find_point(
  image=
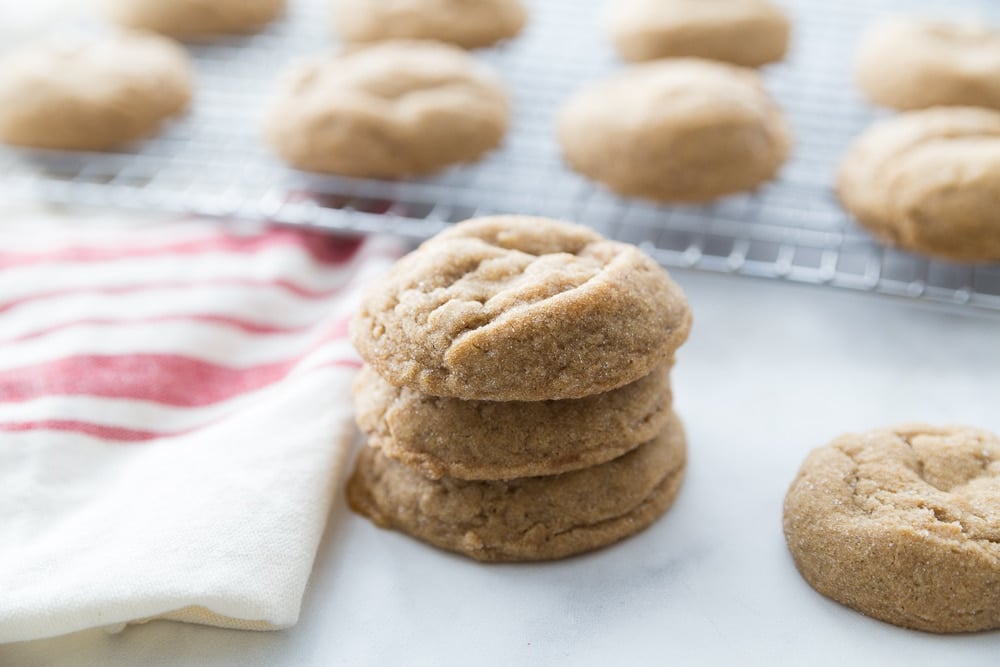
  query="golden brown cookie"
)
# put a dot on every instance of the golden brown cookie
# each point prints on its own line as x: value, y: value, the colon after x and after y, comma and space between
x: 513, y: 308
x: 502, y: 440
x: 929, y: 181
x: 467, y: 24
x: 533, y: 518
x: 916, y: 63
x: 91, y: 92
x: 194, y: 17
x: 388, y: 110
x: 675, y: 130
x: 903, y: 525
x: 750, y: 33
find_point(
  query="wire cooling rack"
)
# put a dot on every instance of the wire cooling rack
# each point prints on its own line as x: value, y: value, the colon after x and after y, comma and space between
x: 214, y: 163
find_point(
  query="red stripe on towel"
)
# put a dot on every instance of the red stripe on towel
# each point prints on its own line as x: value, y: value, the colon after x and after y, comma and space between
x: 322, y: 248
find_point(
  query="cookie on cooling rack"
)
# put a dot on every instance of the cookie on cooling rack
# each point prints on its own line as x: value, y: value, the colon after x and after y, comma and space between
x: 388, y: 110
x: 91, y: 92
x: 929, y: 181
x: 467, y: 24
x: 513, y: 308
x: 675, y: 130
x: 743, y: 32
x: 915, y: 63
x: 903, y: 524
x: 503, y: 440
x: 194, y: 17
x: 532, y: 518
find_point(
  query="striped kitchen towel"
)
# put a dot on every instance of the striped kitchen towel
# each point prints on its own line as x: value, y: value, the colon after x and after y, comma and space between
x: 174, y: 416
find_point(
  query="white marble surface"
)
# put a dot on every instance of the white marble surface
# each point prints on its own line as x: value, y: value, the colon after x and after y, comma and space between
x: 771, y: 371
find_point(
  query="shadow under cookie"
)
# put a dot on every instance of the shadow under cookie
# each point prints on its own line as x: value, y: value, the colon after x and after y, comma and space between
x: 534, y: 518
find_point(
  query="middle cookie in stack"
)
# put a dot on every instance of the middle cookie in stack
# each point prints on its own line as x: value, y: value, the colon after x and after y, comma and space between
x: 517, y: 402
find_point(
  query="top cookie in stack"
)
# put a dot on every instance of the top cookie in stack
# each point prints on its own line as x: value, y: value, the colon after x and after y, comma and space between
x: 513, y: 308
x: 517, y: 403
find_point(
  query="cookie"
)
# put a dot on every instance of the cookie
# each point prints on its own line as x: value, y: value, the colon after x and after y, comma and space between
x: 502, y: 440
x: 929, y: 181
x: 91, y: 92
x: 194, y: 17
x: 903, y: 524
x: 533, y: 518
x: 514, y: 308
x: 914, y: 63
x: 392, y: 109
x: 675, y: 130
x: 467, y: 24
x: 750, y: 33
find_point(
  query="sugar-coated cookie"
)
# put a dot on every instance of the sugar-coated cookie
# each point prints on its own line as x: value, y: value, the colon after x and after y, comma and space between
x: 929, y: 181
x: 915, y: 63
x: 514, y: 308
x: 743, y: 32
x: 194, y: 17
x: 503, y: 440
x: 903, y: 524
x: 675, y: 130
x: 533, y: 518
x: 467, y: 24
x: 391, y: 109
x: 91, y: 92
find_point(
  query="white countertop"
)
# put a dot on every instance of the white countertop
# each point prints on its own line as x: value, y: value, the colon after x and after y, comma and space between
x: 771, y: 371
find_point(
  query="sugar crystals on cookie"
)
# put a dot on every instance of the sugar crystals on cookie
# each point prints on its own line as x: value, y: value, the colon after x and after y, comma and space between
x: 903, y: 524
x: 516, y: 401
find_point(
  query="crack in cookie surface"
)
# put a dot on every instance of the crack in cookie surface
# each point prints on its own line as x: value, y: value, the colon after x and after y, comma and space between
x: 903, y: 524
x: 513, y: 308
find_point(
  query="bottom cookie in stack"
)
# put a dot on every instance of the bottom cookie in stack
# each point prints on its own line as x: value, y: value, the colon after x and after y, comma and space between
x: 529, y: 518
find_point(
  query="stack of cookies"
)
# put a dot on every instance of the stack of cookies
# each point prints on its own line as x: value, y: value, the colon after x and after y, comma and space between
x: 516, y: 396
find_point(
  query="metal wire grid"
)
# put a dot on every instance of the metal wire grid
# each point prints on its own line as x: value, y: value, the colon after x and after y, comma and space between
x: 213, y: 161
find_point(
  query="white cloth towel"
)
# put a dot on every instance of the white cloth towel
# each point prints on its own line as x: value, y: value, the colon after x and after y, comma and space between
x: 174, y: 416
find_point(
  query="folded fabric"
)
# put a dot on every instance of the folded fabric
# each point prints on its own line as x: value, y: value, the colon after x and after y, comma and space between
x: 174, y: 416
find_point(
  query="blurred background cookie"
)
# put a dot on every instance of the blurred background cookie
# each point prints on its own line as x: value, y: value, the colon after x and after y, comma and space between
x: 467, y: 24
x: 903, y: 524
x: 91, y: 92
x: 914, y: 63
x: 675, y: 130
x: 194, y: 17
x: 929, y: 181
x: 744, y: 32
x: 390, y: 109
